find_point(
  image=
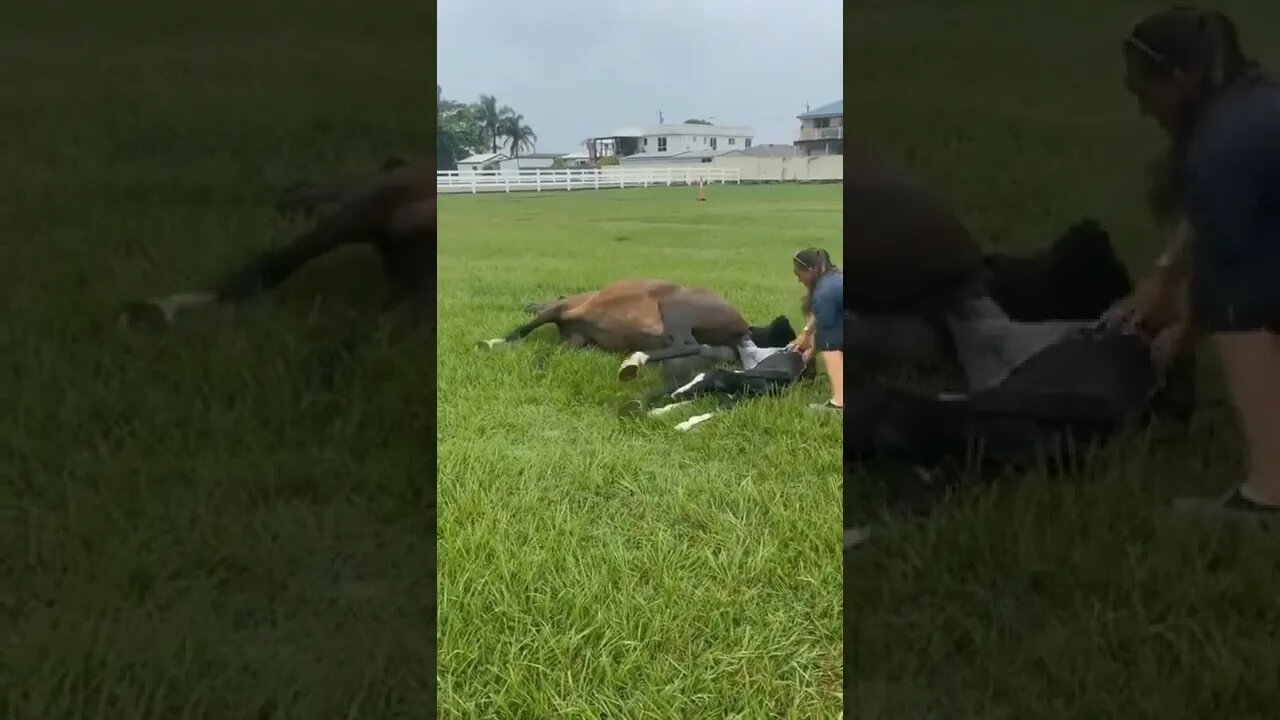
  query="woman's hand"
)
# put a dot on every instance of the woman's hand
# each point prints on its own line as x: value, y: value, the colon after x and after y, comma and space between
x: 1157, y: 301
x: 800, y: 346
x: 1121, y: 316
x: 803, y: 342
x: 1153, y: 304
x: 1169, y: 343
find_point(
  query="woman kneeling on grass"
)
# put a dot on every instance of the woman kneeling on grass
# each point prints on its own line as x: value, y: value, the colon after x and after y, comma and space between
x: 824, y: 318
x: 1222, y: 174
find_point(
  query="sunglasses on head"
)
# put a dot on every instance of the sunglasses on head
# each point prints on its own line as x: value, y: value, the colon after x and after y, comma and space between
x: 1146, y: 50
x: 1133, y: 41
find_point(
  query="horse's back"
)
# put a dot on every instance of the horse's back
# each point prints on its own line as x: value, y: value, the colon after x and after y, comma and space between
x: 415, y: 178
x: 642, y: 303
x: 906, y: 245
x: 646, y: 294
x: 712, y: 319
x: 709, y: 301
x: 633, y: 289
x: 415, y: 217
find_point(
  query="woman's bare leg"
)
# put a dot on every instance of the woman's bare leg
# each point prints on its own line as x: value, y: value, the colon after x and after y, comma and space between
x: 833, y: 362
x: 1252, y: 364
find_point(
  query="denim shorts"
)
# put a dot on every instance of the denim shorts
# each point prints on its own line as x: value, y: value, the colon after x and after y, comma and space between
x: 1240, y: 300
x: 828, y: 313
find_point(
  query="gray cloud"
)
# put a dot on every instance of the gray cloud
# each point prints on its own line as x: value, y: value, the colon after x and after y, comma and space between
x: 582, y: 68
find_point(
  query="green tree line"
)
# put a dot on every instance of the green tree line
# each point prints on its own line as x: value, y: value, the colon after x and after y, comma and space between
x: 464, y: 129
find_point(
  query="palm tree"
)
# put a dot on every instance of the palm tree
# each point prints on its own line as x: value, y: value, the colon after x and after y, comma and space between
x: 492, y: 117
x: 521, y: 136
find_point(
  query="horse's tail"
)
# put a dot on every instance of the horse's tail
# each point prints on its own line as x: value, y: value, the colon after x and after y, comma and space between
x: 548, y: 313
x: 537, y: 308
x: 305, y: 199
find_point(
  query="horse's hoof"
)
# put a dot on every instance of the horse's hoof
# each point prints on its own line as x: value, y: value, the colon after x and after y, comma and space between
x: 631, y: 366
x: 145, y: 314
x: 489, y: 344
x: 855, y: 536
x: 694, y: 422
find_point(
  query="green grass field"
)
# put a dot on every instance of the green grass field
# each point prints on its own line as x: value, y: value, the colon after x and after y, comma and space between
x: 195, y: 525
x: 1068, y: 599
x: 598, y: 567
x: 231, y: 522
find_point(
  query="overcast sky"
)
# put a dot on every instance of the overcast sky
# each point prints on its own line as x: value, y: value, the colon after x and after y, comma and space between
x: 585, y: 68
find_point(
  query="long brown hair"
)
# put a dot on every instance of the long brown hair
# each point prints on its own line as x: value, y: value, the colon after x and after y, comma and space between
x: 1203, y: 44
x: 817, y: 261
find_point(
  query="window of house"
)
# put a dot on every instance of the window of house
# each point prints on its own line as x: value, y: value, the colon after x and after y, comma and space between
x: 732, y: 140
x: 747, y: 143
x: 645, y: 142
x: 713, y: 143
x: 662, y: 144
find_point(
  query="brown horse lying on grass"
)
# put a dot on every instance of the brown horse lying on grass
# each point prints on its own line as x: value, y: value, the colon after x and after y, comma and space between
x: 393, y: 210
x: 654, y: 320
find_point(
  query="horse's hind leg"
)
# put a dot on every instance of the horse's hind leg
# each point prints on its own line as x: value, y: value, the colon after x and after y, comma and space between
x: 679, y: 338
x: 355, y: 221
x: 553, y: 312
x: 677, y: 325
x: 537, y: 308
x: 703, y: 383
x: 654, y: 403
x: 547, y: 314
x: 631, y: 366
x: 408, y: 254
x: 307, y: 199
x: 678, y: 390
x: 304, y: 199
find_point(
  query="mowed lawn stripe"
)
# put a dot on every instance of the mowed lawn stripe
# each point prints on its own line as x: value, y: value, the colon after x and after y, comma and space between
x: 1070, y: 597
x: 594, y: 565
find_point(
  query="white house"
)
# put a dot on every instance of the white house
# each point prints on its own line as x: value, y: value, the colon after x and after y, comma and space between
x: 577, y: 160
x: 535, y: 161
x: 480, y: 163
x: 680, y: 158
x: 764, y: 151
x: 821, y: 130
x: 663, y: 142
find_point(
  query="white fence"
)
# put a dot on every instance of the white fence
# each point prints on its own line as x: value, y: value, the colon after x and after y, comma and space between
x: 800, y: 168
x: 452, y: 181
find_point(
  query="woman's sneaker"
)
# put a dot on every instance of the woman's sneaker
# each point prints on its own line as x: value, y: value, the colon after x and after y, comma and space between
x: 827, y: 406
x: 1234, y: 505
x: 854, y: 536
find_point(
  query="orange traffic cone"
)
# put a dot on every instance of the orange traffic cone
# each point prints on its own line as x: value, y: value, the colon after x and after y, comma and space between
x: 702, y: 194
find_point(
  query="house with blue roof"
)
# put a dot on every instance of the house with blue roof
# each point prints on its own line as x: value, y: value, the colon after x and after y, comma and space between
x: 822, y: 130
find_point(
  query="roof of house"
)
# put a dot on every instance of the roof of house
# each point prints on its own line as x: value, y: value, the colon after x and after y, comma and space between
x: 684, y: 129
x: 649, y: 156
x: 531, y: 158
x: 831, y: 109
x: 686, y: 155
x: 539, y: 156
x: 767, y: 150
x: 482, y: 158
x: 704, y: 153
